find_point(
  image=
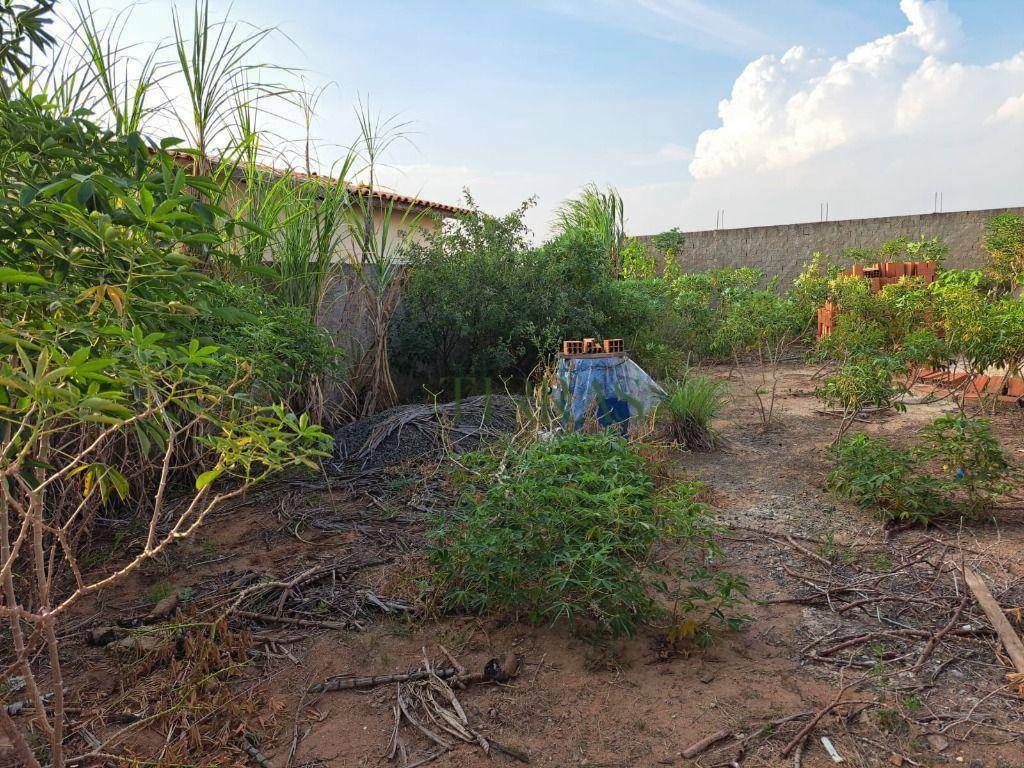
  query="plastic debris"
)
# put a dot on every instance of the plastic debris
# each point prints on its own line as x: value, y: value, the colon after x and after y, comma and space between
x: 612, y: 389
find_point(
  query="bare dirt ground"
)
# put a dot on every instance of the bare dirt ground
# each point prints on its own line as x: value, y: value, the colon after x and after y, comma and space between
x: 633, y: 703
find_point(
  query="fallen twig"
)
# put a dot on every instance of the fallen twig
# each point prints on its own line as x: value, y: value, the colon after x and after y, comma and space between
x: 257, y: 756
x: 495, y: 671
x: 937, y: 637
x: 266, y: 617
x: 700, y: 746
x: 515, y: 754
x: 805, y: 731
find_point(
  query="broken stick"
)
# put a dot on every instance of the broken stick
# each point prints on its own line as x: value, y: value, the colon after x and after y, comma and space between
x: 700, y: 746
x: 498, y: 670
x: 1011, y: 642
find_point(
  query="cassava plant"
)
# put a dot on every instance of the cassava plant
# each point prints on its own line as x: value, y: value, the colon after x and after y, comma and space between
x: 884, y: 479
x: 566, y: 529
x: 108, y: 404
x: 957, y: 465
x: 971, y: 462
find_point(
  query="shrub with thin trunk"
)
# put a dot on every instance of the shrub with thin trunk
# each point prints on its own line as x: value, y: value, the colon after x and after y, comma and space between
x: 109, y: 406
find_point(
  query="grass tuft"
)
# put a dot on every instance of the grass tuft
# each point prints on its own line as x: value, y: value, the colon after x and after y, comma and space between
x: 691, y: 407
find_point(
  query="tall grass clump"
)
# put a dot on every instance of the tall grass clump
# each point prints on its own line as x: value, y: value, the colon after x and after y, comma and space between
x: 692, y: 405
x: 567, y: 529
x: 599, y: 214
x: 376, y: 256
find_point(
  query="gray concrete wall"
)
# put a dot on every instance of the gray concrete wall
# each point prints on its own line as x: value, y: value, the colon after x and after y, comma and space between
x: 783, y: 249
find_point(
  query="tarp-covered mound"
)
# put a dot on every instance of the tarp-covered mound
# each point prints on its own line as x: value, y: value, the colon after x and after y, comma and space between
x: 408, y: 432
x: 612, y: 389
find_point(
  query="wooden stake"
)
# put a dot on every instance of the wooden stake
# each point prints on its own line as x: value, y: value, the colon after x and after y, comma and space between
x: 1011, y: 642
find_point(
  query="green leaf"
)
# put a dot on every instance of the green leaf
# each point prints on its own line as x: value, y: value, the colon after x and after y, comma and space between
x: 11, y: 276
x: 85, y: 192
x: 146, y: 199
x: 27, y: 195
x: 208, y: 477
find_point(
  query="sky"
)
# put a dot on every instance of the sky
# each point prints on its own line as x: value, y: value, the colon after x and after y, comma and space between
x: 739, y: 112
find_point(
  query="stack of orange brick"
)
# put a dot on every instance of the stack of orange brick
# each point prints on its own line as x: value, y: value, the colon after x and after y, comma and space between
x: 1003, y: 388
x: 593, y: 347
x: 881, y: 274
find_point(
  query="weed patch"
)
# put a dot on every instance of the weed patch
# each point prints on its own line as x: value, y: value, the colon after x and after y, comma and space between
x: 567, y: 529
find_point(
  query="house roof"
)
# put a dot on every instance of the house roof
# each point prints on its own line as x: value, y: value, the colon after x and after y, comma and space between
x: 358, y: 189
x: 362, y: 189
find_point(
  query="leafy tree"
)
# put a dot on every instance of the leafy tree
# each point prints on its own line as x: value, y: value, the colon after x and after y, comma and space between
x: 984, y: 332
x: 763, y: 323
x: 108, y: 402
x: 669, y: 242
x: 1004, y: 243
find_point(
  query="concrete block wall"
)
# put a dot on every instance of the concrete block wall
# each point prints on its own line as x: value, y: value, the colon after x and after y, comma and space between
x: 783, y: 249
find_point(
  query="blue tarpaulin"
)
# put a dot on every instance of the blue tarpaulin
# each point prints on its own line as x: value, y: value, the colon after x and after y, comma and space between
x: 609, y: 388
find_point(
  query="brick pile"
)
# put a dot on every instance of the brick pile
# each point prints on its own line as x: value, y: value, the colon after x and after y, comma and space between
x: 881, y: 274
x: 1002, y: 388
x: 585, y: 347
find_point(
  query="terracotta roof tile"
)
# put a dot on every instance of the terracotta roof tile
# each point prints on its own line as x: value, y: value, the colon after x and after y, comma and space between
x: 359, y: 189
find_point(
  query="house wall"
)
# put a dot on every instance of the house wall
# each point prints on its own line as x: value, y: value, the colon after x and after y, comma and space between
x: 783, y: 249
x: 418, y: 227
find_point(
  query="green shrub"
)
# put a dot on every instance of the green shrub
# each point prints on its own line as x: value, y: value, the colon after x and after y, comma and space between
x: 883, y: 479
x: 972, y: 462
x: 973, y: 278
x: 957, y: 464
x: 811, y: 287
x: 641, y: 312
x: 481, y: 301
x: 862, y: 382
x: 1004, y: 243
x: 922, y: 249
x: 986, y: 332
x: 566, y: 529
x: 638, y: 263
x: 692, y: 405
x: 702, y: 301
x: 286, y: 353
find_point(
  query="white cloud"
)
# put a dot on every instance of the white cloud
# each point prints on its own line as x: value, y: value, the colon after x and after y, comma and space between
x: 1011, y: 110
x: 879, y: 128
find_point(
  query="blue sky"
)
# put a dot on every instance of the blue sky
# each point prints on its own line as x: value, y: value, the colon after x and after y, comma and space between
x: 542, y: 96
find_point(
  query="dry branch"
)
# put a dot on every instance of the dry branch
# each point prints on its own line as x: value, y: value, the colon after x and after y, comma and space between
x: 1011, y: 642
